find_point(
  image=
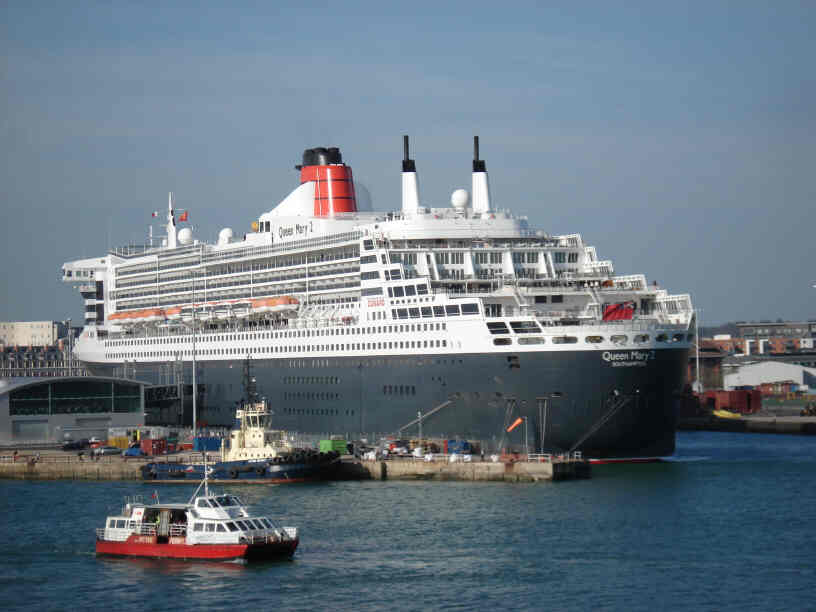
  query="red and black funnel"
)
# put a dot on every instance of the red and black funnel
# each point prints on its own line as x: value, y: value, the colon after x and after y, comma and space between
x: 334, y: 184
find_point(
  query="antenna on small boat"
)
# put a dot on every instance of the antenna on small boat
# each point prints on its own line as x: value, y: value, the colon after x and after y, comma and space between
x: 203, y: 483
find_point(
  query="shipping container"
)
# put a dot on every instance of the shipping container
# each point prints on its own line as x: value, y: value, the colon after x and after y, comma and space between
x: 327, y: 446
x: 206, y: 444
x: 118, y: 442
x: 151, y: 446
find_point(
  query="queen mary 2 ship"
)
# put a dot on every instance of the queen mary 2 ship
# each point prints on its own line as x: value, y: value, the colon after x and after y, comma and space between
x: 459, y: 319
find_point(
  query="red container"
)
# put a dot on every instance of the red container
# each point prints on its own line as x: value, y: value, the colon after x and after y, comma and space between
x: 154, y: 447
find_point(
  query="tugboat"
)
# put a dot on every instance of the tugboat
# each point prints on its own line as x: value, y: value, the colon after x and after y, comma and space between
x: 255, y: 454
x: 208, y: 527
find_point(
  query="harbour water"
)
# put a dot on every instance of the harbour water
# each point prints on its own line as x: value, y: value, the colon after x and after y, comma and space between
x: 727, y: 525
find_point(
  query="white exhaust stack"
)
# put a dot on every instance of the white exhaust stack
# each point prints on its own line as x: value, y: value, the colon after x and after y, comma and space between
x: 171, y: 223
x: 410, y: 186
x: 481, y: 188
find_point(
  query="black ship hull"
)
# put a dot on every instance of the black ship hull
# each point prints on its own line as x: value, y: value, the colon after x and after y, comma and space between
x: 602, y: 403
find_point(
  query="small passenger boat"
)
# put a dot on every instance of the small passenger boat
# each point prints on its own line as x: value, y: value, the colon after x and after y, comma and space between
x: 208, y: 527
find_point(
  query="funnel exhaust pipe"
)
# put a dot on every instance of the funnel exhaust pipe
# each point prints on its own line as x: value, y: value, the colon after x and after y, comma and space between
x: 410, y: 184
x: 481, y: 188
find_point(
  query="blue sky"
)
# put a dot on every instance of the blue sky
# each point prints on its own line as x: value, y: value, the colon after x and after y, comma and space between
x: 676, y: 137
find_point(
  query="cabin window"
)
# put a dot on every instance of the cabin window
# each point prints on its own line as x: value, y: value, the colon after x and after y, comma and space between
x: 414, y: 312
x: 662, y: 338
x: 452, y: 310
x: 210, y: 527
x: 470, y: 309
x: 426, y: 312
x: 112, y: 523
x: 497, y: 327
x: 198, y: 527
x: 557, y: 299
x: 267, y: 522
x: 410, y: 290
x: 221, y: 527
x: 422, y: 289
x: 619, y: 339
x: 502, y: 341
x: 232, y: 526
x: 439, y: 311
x: 525, y: 327
x: 121, y: 523
x: 678, y: 337
x: 243, y: 525
x: 258, y: 524
x: 564, y: 340
x: 399, y: 292
x: 531, y: 340
x: 642, y: 338
x: 594, y: 339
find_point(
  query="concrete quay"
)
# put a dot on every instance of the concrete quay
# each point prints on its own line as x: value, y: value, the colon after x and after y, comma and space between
x: 519, y: 471
x: 56, y: 465
x: 752, y: 424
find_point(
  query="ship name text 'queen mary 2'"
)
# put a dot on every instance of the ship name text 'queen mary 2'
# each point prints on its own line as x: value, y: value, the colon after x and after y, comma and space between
x: 356, y: 321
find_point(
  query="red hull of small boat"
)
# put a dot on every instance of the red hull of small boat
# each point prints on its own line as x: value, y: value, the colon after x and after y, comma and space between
x: 148, y: 546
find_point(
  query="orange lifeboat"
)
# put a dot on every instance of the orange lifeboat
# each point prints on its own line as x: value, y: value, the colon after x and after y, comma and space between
x: 276, y: 304
x: 173, y: 313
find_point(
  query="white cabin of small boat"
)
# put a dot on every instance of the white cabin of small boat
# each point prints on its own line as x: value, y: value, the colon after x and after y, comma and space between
x: 210, y: 519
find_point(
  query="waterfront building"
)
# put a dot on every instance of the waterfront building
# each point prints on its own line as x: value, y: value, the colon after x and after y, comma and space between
x: 51, y: 410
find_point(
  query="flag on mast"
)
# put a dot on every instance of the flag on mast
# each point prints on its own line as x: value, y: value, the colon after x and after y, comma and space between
x: 183, y: 216
x: 155, y: 213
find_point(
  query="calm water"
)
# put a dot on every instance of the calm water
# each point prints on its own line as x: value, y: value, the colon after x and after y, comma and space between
x: 730, y: 525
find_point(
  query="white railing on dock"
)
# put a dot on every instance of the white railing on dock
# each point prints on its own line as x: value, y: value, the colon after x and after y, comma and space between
x: 550, y: 457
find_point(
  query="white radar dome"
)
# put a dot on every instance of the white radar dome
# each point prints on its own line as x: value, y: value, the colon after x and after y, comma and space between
x: 185, y: 236
x: 224, y: 236
x: 459, y: 199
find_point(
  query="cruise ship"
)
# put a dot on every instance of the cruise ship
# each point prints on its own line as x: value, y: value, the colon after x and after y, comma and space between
x: 454, y: 320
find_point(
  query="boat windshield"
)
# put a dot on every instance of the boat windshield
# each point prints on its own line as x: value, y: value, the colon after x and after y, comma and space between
x: 227, y: 501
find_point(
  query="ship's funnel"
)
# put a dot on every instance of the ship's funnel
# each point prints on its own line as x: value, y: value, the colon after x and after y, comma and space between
x: 334, y: 184
x: 481, y: 187
x: 410, y: 185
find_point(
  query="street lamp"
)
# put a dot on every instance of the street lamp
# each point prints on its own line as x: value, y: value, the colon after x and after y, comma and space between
x: 69, y: 347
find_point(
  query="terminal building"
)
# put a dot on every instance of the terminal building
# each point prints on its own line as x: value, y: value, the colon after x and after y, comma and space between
x: 40, y: 410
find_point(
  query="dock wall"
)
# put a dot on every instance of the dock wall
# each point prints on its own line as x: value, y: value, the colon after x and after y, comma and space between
x: 28, y: 467
x: 488, y: 471
x: 754, y: 424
